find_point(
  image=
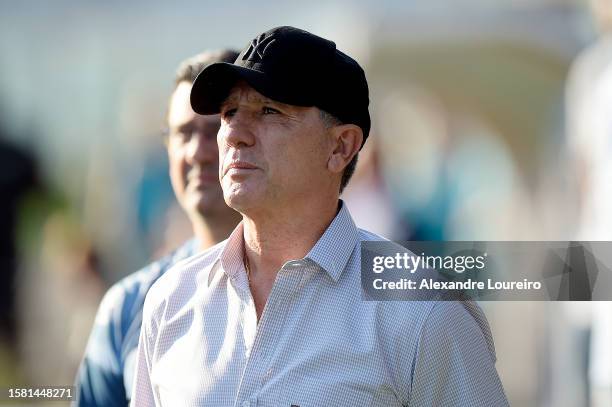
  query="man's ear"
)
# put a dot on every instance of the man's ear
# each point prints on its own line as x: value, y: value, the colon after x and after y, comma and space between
x: 346, y: 140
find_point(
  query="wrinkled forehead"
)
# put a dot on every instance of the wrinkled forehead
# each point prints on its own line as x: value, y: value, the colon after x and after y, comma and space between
x: 242, y: 92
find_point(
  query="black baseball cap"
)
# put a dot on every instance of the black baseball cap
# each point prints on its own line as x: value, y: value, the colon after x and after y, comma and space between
x: 291, y: 66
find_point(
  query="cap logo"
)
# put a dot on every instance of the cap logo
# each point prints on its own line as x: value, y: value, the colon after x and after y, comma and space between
x: 258, y: 48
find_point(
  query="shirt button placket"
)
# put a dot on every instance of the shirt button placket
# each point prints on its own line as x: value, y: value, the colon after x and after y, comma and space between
x: 257, y: 366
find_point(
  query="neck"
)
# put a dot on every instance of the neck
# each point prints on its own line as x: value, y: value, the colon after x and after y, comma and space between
x: 288, y: 234
x: 213, y: 229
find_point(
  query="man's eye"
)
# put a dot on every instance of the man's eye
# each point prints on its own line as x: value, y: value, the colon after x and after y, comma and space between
x: 182, y: 135
x: 228, y: 113
x: 269, y: 110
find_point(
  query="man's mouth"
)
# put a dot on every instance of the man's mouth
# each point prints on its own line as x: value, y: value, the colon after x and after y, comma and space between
x: 239, y: 166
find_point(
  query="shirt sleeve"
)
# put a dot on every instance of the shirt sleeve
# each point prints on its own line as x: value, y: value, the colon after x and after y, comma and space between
x: 99, y: 380
x: 454, y: 365
x: 142, y: 389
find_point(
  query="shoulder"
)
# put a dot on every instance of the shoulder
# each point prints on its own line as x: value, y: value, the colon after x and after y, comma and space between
x: 114, y: 335
x: 119, y: 314
x: 365, y: 235
x: 450, y: 321
x: 122, y: 298
x: 126, y: 297
x: 419, y: 335
x: 372, y: 240
x: 380, y: 242
x: 181, y: 281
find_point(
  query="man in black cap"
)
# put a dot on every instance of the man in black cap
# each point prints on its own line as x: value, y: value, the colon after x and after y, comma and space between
x: 274, y: 315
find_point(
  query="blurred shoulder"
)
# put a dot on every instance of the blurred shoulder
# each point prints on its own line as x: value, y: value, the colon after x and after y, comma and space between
x: 125, y: 298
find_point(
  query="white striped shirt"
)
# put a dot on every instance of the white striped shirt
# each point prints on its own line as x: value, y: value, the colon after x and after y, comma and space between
x: 317, y: 342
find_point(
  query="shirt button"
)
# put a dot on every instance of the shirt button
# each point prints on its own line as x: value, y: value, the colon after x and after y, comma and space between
x: 246, y: 404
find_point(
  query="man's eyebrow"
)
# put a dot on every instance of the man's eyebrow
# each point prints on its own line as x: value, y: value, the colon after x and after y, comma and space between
x: 180, y: 127
x: 225, y: 102
x: 264, y: 99
x: 253, y: 98
x: 184, y: 126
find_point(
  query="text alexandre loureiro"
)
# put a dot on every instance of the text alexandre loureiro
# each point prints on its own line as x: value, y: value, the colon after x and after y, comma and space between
x: 457, y: 264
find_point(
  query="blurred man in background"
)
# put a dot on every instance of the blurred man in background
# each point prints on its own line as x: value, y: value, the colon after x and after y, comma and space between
x: 106, y: 372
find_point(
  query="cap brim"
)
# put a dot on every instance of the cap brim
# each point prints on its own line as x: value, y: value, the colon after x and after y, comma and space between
x: 214, y: 83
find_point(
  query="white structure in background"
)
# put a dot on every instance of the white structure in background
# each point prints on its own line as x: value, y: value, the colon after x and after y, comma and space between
x: 589, y: 114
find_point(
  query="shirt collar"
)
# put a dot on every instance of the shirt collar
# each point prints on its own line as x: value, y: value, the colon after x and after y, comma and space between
x: 333, y: 250
x: 232, y: 255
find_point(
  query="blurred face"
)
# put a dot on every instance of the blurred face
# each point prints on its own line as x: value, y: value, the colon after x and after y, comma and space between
x: 272, y: 155
x: 193, y: 156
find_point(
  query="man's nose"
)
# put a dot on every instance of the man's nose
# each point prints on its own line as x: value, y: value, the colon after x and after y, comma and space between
x: 238, y: 131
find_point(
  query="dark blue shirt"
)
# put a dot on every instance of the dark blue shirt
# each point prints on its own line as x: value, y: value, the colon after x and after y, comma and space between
x: 107, y: 370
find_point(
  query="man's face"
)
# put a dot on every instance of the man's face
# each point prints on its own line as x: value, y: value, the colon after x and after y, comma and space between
x: 273, y: 155
x: 193, y: 156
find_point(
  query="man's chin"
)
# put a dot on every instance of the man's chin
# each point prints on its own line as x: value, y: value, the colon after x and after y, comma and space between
x: 240, y: 201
